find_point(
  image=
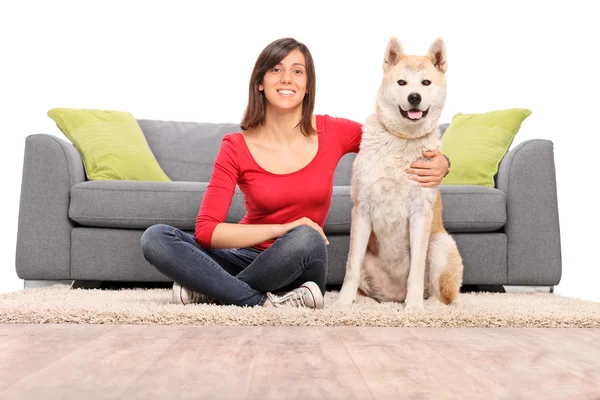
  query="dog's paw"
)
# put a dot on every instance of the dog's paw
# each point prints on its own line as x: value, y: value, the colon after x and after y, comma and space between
x: 344, y: 300
x: 431, y: 301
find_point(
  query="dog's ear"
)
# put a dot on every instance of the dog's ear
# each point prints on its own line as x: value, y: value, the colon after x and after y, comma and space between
x: 393, y: 54
x: 437, y: 55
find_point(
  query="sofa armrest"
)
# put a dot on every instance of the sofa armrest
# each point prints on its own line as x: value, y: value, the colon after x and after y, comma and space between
x: 51, y: 167
x: 527, y: 176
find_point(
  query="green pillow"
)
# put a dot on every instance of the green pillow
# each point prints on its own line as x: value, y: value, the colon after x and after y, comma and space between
x: 111, y: 143
x: 476, y: 143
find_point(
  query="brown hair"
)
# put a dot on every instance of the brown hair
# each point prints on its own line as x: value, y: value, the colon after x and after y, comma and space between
x: 268, y: 58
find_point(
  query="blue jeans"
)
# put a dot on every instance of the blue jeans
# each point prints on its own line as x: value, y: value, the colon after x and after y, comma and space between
x: 238, y: 276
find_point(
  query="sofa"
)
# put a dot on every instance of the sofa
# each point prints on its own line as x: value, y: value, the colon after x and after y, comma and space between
x: 71, y: 229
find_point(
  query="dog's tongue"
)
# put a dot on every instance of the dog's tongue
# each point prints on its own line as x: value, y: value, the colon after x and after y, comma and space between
x: 415, y: 114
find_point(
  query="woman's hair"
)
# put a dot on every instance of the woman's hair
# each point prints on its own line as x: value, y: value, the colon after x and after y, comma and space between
x: 268, y: 58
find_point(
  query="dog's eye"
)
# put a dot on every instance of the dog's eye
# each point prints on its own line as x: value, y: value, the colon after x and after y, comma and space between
x: 426, y: 82
x: 401, y: 82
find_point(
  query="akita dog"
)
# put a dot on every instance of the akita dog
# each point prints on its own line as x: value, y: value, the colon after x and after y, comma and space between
x: 399, y: 249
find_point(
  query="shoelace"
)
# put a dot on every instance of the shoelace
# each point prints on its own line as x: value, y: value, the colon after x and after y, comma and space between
x: 295, y: 297
x: 196, y: 297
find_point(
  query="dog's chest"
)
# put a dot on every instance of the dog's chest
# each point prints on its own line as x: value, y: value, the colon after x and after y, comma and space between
x: 384, y: 185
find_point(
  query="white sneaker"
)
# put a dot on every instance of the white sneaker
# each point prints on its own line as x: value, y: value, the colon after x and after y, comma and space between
x: 307, y: 295
x: 181, y: 295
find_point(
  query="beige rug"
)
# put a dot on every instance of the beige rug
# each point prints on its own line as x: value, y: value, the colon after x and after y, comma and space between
x: 59, y: 304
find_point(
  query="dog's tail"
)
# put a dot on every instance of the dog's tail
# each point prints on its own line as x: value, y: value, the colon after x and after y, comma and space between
x: 451, y: 278
x: 445, y: 268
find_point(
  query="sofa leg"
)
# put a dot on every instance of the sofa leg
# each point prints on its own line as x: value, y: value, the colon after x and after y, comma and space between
x: 32, y: 284
x: 528, y: 289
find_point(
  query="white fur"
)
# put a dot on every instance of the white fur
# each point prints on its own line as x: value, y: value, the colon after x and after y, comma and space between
x: 386, y: 202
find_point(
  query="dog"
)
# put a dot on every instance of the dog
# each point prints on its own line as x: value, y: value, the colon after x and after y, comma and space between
x: 399, y: 249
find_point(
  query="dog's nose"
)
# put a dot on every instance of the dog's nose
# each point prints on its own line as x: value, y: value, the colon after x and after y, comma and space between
x: 414, y: 99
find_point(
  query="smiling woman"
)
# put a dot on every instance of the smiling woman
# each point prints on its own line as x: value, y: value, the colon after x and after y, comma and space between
x: 284, y: 70
x: 283, y: 160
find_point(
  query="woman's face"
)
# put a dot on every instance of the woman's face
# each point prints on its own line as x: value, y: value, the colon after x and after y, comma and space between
x: 284, y: 85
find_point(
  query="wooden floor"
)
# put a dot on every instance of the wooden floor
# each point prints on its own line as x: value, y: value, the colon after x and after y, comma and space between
x: 197, y: 362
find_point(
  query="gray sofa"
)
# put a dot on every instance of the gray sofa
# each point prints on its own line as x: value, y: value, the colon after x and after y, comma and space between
x: 71, y: 229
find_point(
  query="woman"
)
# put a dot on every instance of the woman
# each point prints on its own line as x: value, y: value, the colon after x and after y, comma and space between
x: 283, y: 160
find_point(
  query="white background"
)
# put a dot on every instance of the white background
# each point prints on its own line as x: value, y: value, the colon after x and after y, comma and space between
x: 191, y: 61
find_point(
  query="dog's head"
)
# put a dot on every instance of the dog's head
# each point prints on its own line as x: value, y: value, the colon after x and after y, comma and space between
x: 412, y: 94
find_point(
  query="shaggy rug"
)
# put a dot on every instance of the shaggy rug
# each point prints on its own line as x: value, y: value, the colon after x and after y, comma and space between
x: 59, y: 304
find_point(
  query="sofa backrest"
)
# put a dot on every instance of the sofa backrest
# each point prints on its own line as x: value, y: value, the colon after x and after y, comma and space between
x: 186, y: 150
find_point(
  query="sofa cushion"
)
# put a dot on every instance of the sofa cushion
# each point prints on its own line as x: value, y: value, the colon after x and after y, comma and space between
x: 476, y: 144
x: 138, y: 205
x: 471, y: 208
x: 465, y: 208
x: 111, y: 144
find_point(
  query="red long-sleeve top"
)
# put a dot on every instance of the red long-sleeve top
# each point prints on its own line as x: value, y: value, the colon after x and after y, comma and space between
x: 275, y: 198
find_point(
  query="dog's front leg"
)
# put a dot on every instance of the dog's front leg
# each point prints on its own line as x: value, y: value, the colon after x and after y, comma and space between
x: 420, y: 228
x: 360, y: 231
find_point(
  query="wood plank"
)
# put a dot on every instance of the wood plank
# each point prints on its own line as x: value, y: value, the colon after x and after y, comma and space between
x: 305, y: 363
x: 28, y: 348
x: 519, y: 361
x: 209, y: 362
x: 574, y: 351
x: 101, y: 368
x: 395, y: 364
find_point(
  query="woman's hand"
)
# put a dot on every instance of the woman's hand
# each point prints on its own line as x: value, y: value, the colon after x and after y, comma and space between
x: 429, y: 173
x: 302, y: 221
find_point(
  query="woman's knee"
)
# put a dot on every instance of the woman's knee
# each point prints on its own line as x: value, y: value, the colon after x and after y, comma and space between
x: 309, y: 240
x: 152, y: 238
